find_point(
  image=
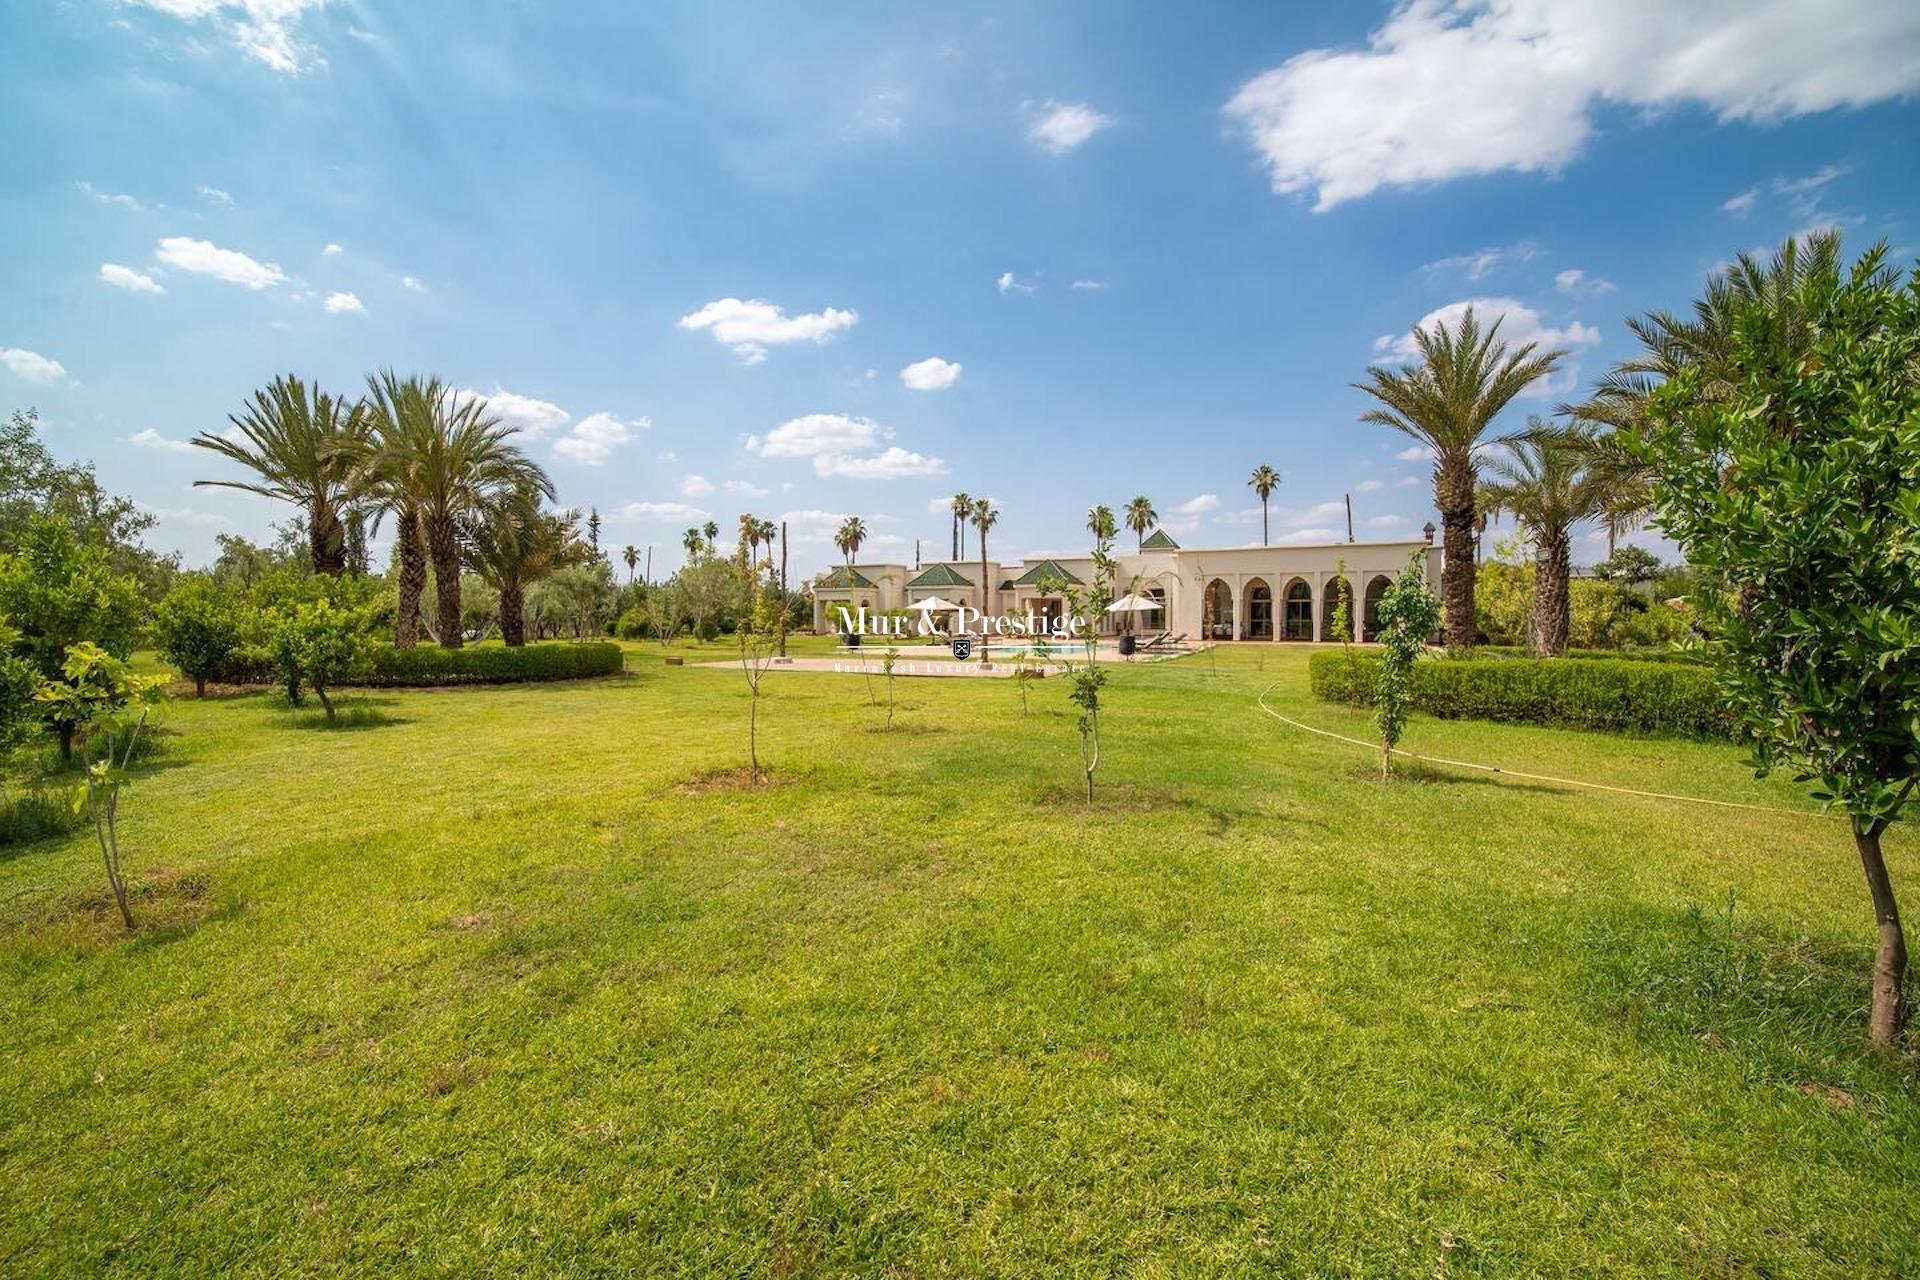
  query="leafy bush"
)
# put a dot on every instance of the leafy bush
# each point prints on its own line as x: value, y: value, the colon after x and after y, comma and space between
x: 1613, y: 694
x: 1622, y: 655
x: 323, y: 644
x: 36, y: 812
x: 490, y: 664
x: 198, y: 629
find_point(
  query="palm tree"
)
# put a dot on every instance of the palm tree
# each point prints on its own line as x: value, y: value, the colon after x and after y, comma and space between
x: 962, y: 507
x: 693, y: 542
x: 1100, y: 523
x: 1701, y: 341
x: 711, y: 532
x: 764, y: 534
x: 1263, y: 481
x: 631, y: 554
x: 1141, y: 517
x: 1464, y: 379
x: 749, y: 537
x: 444, y: 456
x: 512, y: 543
x: 1545, y: 483
x: 853, y: 532
x: 984, y: 516
x: 303, y: 445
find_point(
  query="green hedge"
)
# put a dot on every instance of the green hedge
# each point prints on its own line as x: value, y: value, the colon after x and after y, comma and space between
x: 1617, y: 694
x: 493, y: 664
x: 431, y: 665
x: 1604, y: 655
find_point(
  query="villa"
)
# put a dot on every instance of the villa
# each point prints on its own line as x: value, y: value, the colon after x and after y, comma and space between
x: 1288, y: 592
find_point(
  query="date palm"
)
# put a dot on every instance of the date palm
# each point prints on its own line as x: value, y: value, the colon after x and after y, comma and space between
x: 1544, y: 481
x: 764, y: 533
x: 1701, y: 340
x: 694, y: 544
x: 962, y: 508
x: 711, y: 532
x: 443, y: 455
x: 630, y: 554
x: 303, y: 445
x: 1464, y: 378
x: 749, y: 537
x: 1140, y: 518
x: 513, y: 543
x: 1263, y: 481
x: 1101, y: 524
x: 984, y: 516
x: 852, y: 533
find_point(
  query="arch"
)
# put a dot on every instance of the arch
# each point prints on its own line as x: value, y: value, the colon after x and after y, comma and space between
x: 1336, y: 589
x: 1297, y: 620
x: 1370, y: 613
x: 1258, y: 624
x: 1216, y: 611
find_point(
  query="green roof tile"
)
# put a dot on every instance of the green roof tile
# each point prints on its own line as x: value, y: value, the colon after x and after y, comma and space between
x: 1159, y: 542
x: 940, y: 575
x: 1047, y: 569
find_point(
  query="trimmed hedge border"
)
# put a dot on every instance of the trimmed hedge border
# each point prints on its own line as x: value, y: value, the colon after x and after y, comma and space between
x: 430, y: 665
x: 1610, y: 694
x: 1600, y: 655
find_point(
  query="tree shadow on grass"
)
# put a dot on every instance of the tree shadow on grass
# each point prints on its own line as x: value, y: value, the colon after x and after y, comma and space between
x: 1789, y: 1007
x: 1419, y: 773
x: 349, y: 715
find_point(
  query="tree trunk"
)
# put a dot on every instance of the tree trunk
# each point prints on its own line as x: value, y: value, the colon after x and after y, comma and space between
x: 984, y: 597
x: 199, y: 686
x: 66, y: 743
x: 1552, y: 609
x: 445, y: 550
x: 513, y: 613
x: 326, y: 539
x: 1453, y: 495
x: 413, y: 579
x: 1889, y: 1014
x: 320, y: 692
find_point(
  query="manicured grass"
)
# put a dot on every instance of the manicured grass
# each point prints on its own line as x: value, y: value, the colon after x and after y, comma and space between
x: 514, y: 981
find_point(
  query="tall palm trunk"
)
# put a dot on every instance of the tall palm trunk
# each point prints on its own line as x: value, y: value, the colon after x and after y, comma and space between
x: 1453, y: 494
x: 413, y: 578
x: 444, y: 546
x: 1552, y: 607
x: 513, y: 613
x: 984, y: 633
x: 326, y: 539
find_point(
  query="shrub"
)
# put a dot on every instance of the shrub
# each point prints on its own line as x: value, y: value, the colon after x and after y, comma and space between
x: 490, y: 664
x: 1650, y: 654
x: 198, y: 629
x: 323, y: 644
x: 1614, y: 694
x: 34, y: 813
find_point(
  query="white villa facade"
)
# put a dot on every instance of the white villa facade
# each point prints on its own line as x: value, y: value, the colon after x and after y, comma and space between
x: 1218, y: 593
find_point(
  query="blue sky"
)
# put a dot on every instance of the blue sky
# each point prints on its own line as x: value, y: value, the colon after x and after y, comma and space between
x: 725, y: 258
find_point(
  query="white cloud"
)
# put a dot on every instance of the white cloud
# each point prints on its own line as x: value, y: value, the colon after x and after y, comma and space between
x: 1407, y: 482
x: 1483, y: 262
x: 752, y: 325
x: 1519, y: 324
x: 214, y: 195
x: 108, y: 197
x: 151, y: 439
x: 648, y: 511
x: 204, y: 258
x: 931, y: 374
x: 1575, y: 281
x: 1415, y: 453
x: 127, y: 278
x: 1450, y: 88
x: 188, y: 516
x: 1089, y: 285
x: 890, y: 463
x: 526, y: 415
x: 695, y: 486
x: 1740, y: 204
x: 1366, y: 486
x: 344, y: 304
x: 1010, y: 283
x: 264, y: 30
x: 1385, y: 522
x: 31, y: 366
x: 592, y: 440
x: 817, y: 433
x: 412, y: 283
x: 744, y: 489
x: 1062, y: 126
x: 332, y: 251
x: 1199, y: 504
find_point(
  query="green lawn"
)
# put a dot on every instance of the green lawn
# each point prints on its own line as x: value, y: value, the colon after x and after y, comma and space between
x: 513, y: 981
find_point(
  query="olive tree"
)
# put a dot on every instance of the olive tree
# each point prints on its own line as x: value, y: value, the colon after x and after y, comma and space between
x: 198, y: 628
x: 1795, y: 485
